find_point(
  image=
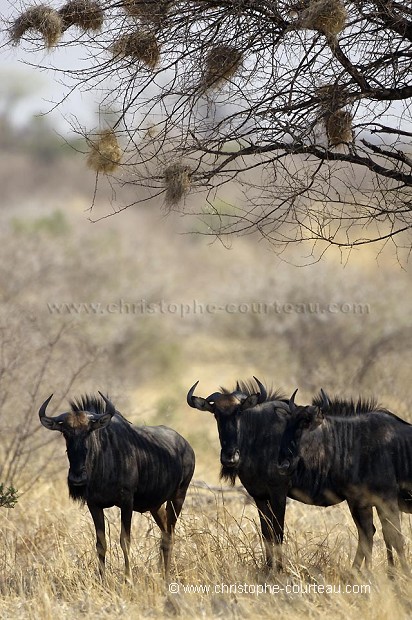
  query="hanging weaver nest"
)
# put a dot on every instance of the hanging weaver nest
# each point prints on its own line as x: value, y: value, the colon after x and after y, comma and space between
x: 339, y: 128
x: 153, y: 11
x: 141, y: 46
x: 332, y: 97
x: 222, y: 62
x: 177, y: 183
x: 327, y: 16
x: 43, y: 20
x: 86, y: 14
x: 105, y: 154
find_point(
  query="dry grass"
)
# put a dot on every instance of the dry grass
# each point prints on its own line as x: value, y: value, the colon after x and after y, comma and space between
x: 148, y: 11
x: 105, y: 154
x: 42, y: 19
x: 177, y: 183
x: 221, y: 64
x: 49, y: 568
x: 86, y: 14
x: 326, y: 16
x: 140, y: 46
x: 332, y: 97
x: 339, y: 127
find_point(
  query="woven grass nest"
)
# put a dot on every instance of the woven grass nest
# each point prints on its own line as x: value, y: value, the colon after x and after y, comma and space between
x: 139, y: 45
x: 105, y: 154
x: 339, y: 127
x: 42, y: 19
x: 332, y: 97
x: 326, y: 16
x: 86, y: 14
x: 177, y: 182
x: 152, y: 11
x: 221, y: 63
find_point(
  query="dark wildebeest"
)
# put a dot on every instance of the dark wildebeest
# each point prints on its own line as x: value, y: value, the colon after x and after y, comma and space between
x: 113, y: 463
x: 251, y: 425
x: 359, y: 452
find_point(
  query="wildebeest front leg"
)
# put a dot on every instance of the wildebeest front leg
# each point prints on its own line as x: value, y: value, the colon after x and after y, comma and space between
x: 98, y: 520
x: 126, y: 523
x: 272, y: 517
x: 363, y: 518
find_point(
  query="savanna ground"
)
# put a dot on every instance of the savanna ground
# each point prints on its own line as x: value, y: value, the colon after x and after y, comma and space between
x: 126, y: 280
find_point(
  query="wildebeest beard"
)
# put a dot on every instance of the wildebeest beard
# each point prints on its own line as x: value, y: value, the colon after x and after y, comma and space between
x: 77, y: 493
x: 229, y: 474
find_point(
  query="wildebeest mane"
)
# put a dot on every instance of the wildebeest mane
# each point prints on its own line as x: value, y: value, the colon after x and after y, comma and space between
x: 340, y: 407
x: 87, y: 402
x: 249, y: 387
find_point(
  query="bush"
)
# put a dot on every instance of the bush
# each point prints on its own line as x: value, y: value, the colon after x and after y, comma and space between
x: 8, y: 497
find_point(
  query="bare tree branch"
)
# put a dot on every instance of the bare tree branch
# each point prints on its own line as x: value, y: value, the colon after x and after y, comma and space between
x: 297, y: 113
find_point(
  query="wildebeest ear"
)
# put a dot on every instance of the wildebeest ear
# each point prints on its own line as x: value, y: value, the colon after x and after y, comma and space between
x: 51, y: 424
x: 312, y: 419
x: 202, y: 404
x: 250, y: 401
x: 318, y: 419
x: 102, y: 421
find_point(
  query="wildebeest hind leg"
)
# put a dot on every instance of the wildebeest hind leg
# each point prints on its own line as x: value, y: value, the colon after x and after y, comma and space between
x: 98, y: 520
x: 160, y: 516
x: 391, y: 530
x: 363, y: 518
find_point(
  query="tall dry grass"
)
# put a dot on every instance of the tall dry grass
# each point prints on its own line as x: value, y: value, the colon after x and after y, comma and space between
x: 49, y: 569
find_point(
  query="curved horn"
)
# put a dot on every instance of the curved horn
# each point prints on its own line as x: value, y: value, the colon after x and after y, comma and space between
x: 190, y: 393
x: 42, y: 410
x: 292, y: 406
x: 325, y: 400
x: 110, y: 409
x: 263, y: 394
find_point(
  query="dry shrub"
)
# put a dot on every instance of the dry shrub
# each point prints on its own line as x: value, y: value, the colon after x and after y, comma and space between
x: 105, y: 154
x: 332, y: 97
x: 177, y: 182
x: 153, y: 11
x: 41, y: 18
x: 141, y: 46
x: 339, y: 127
x: 87, y: 14
x: 326, y: 16
x: 222, y: 62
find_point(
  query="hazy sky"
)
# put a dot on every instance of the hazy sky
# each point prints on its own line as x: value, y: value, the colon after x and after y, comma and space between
x: 41, y: 88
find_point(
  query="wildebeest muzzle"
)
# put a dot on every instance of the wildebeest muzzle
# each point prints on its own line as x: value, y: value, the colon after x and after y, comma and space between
x: 230, y: 460
x: 77, y: 478
x: 287, y: 466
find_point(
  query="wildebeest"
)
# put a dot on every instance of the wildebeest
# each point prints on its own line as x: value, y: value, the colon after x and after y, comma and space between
x: 113, y: 463
x: 359, y: 452
x: 251, y: 425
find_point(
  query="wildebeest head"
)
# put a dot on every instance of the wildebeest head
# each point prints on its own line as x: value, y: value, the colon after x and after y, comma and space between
x: 302, y: 418
x: 76, y: 427
x: 227, y: 408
